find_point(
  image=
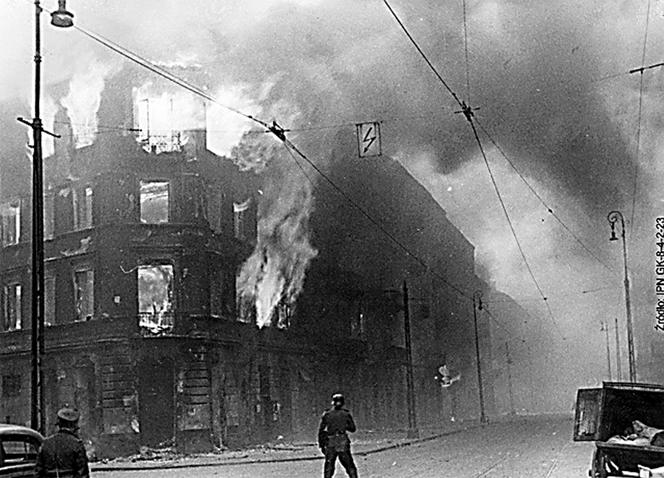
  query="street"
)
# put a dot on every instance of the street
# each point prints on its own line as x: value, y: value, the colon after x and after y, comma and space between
x: 528, y: 448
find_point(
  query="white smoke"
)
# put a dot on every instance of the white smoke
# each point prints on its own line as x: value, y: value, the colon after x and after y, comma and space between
x: 83, y: 99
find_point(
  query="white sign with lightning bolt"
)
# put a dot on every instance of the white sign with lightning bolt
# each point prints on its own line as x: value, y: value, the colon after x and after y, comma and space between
x: 368, y: 139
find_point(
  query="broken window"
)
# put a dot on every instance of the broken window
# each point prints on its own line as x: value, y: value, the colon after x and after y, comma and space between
x: 155, y: 297
x: 12, y: 307
x: 11, y: 222
x: 154, y: 121
x: 49, y: 216
x: 241, y: 219
x: 84, y: 281
x: 154, y: 202
x: 49, y: 300
x: 82, y: 202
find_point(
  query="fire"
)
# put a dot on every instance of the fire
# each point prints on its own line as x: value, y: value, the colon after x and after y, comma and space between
x: 273, y: 276
x: 82, y: 101
x: 164, y: 113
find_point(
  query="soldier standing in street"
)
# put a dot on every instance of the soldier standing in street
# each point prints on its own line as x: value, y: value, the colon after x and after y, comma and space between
x: 62, y: 455
x: 333, y: 437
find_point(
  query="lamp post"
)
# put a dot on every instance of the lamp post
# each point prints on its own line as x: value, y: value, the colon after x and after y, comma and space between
x: 477, y: 304
x: 63, y: 19
x: 613, y: 218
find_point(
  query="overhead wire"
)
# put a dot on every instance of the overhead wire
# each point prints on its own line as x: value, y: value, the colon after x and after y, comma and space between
x: 639, y: 120
x: 541, y: 200
x: 278, y: 133
x: 374, y: 221
x: 468, y: 113
x: 465, y: 48
x: 422, y: 54
x: 164, y: 73
x: 512, y: 229
x: 195, y: 90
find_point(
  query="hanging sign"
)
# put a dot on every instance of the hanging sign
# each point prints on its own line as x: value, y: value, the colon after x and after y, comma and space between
x: 368, y: 139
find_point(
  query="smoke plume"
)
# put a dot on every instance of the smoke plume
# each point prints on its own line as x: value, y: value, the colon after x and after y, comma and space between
x: 550, y: 79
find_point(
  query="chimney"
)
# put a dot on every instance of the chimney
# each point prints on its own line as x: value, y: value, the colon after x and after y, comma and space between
x: 64, y: 146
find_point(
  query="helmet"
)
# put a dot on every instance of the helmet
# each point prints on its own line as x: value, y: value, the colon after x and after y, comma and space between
x: 338, y: 398
x: 68, y: 414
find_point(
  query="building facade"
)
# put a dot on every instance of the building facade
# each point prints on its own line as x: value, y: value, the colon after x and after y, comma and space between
x: 144, y: 239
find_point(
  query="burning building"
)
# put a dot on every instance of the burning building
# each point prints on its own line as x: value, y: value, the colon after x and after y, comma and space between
x: 201, y: 300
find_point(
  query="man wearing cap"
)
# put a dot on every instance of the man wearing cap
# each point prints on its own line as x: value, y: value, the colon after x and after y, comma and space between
x: 333, y: 437
x: 62, y: 455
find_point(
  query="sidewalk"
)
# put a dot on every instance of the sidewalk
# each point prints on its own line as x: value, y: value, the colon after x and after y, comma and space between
x: 363, y: 444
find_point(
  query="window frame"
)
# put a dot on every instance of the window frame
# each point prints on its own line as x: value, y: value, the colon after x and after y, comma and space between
x: 50, y: 278
x: 12, y: 205
x: 82, y: 196
x: 49, y: 215
x: 15, y: 286
x: 90, y: 273
x: 169, y: 202
x: 167, y: 318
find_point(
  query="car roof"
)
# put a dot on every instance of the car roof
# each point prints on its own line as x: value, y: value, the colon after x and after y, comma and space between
x: 14, y: 430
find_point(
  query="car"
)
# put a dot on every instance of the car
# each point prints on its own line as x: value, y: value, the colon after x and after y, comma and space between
x: 18, y: 450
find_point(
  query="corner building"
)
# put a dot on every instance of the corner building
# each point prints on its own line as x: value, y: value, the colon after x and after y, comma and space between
x: 144, y: 236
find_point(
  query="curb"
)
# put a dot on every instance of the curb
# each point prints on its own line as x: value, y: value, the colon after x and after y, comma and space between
x: 170, y: 466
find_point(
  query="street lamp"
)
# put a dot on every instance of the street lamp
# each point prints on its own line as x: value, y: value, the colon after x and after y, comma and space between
x: 477, y: 304
x: 60, y: 18
x: 613, y: 218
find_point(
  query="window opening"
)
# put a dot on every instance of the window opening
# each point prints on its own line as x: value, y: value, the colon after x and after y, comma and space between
x: 13, y: 307
x: 154, y: 202
x: 49, y: 216
x: 84, y: 294
x: 11, y: 223
x: 82, y: 200
x: 155, y: 297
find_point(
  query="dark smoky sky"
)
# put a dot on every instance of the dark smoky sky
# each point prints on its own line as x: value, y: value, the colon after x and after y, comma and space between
x: 531, y: 64
x: 550, y: 79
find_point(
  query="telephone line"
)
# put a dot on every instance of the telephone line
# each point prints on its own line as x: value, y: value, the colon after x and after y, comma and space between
x: 467, y: 111
x: 638, y: 128
x: 541, y: 200
x: 465, y: 48
x: 280, y: 132
x: 277, y: 131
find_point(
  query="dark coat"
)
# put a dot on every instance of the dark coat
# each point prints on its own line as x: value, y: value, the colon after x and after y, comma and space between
x: 62, y: 455
x: 333, y: 427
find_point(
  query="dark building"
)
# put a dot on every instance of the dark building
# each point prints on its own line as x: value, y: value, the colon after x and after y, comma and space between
x: 145, y: 235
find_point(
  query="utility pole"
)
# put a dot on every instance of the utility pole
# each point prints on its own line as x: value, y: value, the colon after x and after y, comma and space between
x: 614, y: 217
x: 410, y: 392
x: 605, y: 329
x: 618, y: 366
x: 510, y: 390
x: 477, y: 303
